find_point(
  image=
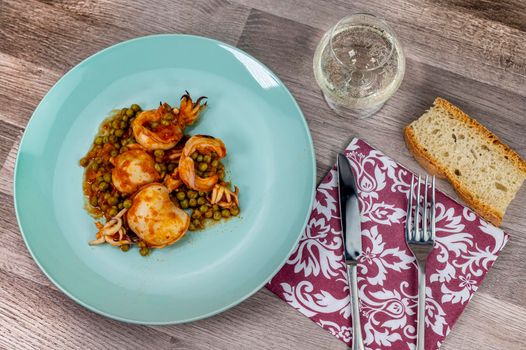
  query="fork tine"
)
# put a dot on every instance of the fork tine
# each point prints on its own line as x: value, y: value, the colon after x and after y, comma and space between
x: 409, y: 215
x: 416, y: 235
x: 432, y: 210
x: 425, y: 236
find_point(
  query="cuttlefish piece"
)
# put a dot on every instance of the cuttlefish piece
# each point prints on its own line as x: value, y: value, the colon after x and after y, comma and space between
x: 169, y: 123
x: 224, y: 197
x: 132, y: 170
x: 163, y: 136
x: 205, y: 145
x: 155, y: 218
x: 112, y: 232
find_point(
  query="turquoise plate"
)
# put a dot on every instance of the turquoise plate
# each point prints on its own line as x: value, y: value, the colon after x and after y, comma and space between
x: 270, y: 158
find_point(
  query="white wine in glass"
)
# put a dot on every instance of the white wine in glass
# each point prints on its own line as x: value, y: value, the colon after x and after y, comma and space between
x: 359, y: 64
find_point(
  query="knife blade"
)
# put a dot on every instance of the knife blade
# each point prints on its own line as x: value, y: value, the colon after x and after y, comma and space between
x: 352, y: 237
x: 349, y: 210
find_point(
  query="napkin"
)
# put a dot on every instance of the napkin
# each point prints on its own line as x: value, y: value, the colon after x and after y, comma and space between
x: 314, y: 278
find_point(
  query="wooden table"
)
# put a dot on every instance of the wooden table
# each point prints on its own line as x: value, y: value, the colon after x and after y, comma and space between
x: 470, y: 52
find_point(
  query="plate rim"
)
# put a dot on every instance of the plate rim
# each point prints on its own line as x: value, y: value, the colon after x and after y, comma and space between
x: 96, y: 310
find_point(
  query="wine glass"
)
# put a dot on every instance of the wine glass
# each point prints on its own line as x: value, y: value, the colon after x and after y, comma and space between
x: 359, y: 64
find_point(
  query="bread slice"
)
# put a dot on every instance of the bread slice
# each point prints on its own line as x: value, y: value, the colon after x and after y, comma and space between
x: 485, y: 172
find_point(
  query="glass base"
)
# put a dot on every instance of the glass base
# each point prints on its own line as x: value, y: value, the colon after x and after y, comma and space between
x: 359, y: 113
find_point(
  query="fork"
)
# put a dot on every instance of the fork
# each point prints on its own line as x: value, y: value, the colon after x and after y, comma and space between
x: 420, y: 239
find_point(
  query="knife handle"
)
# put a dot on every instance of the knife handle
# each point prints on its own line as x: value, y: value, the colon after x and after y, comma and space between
x: 357, y: 340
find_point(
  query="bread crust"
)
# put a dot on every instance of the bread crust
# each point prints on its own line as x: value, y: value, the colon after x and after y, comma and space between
x: 434, y: 167
x: 466, y: 119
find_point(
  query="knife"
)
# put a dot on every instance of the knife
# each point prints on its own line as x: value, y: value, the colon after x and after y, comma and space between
x: 352, y: 237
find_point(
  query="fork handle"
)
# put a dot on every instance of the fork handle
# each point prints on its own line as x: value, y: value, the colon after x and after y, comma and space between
x: 421, y: 318
x: 357, y: 340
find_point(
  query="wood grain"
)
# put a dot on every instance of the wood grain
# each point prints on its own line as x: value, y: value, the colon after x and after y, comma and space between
x: 468, y: 51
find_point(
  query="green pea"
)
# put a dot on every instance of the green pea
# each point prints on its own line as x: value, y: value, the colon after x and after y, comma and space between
x: 124, y: 110
x: 135, y: 107
x: 201, y: 201
x: 124, y: 125
x: 157, y: 167
x: 107, y: 196
x: 209, y: 214
x: 84, y: 162
x: 165, y: 122
x: 113, y: 200
x: 203, y: 166
x: 196, y: 222
x: 154, y: 125
x: 119, y: 132
x: 168, y: 117
x: 141, y: 244
x: 171, y: 167
x: 199, y: 158
x: 196, y: 214
x: 180, y: 195
x: 120, y: 206
x: 207, y: 159
x: 215, y: 163
x: 94, y: 201
x: 192, y: 194
x: 130, y: 112
x: 125, y: 247
x: 203, y: 209
x: 184, y: 203
x: 113, y: 138
x: 194, y: 155
x: 234, y: 211
x: 99, y: 140
x: 114, y: 153
x: 191, y: 227
x: 103, y: 186
x: 113, y: 212
x: 124, y: 118
x: 95, y: 166
x: 217, y: 216
x: 144, y: 251
x: 106, y: 139
x: 158, y: 153
x: 116, y: 124
x: 127, y: 204
x: 107, y: 177
x: 99, y: 179
x: 192, y: 202
x: 215, y: 207
x: 163, y: 167
x: 225, y: 213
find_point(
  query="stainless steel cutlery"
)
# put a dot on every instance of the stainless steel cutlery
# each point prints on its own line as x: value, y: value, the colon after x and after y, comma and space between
x: 352, y: 235
x: 420, y: 238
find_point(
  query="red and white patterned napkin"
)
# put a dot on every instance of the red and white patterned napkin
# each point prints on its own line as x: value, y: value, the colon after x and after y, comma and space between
x: 314, y: 279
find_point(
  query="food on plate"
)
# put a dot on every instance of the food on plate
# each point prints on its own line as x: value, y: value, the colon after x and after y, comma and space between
x: 150, y: 182
x: 163, y: 127
x: 155, y: 218
x: 201, y: 176
x: 133, y: 169
x: 485, y: 172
